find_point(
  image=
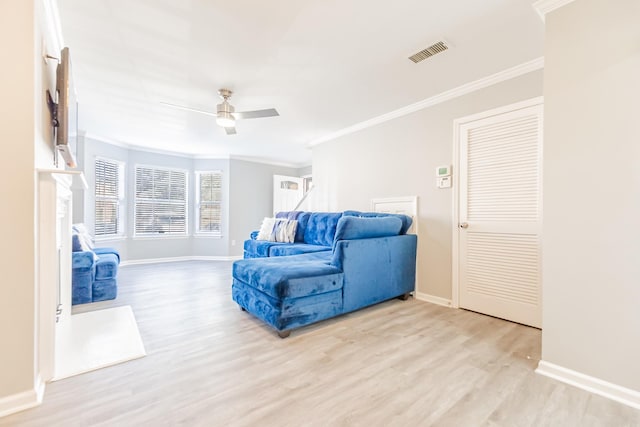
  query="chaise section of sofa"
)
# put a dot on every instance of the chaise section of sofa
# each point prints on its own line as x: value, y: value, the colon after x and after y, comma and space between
x: 369, y: 261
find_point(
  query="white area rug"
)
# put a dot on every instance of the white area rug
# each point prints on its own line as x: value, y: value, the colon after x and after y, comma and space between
x: 96, y: 339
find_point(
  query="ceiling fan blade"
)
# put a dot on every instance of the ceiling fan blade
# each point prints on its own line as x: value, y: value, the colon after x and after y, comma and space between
x: 257, y: 114
x: 230, y: 131
x: 182, y: 107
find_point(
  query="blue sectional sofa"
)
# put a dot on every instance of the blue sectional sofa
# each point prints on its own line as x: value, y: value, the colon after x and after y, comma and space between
x: 315, y: 233
x: 94, y: 270
x: 366, y: 258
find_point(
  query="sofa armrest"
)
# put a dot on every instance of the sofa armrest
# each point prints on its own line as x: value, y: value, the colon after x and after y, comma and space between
x: 83, y: 260
x: 376, y: 269
x: 102, y: 251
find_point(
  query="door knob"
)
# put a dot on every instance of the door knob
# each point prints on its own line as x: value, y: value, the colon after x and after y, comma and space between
x: 464, y: 225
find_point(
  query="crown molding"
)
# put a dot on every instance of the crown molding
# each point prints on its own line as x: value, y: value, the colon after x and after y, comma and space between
x: 466, y: 88
x: 269, y: 162
x: 545, y: 6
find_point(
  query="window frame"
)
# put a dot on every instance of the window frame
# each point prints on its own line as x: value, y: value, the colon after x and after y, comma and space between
x: 199, y: 203
x: 153, y: 236
x: 120, y: 200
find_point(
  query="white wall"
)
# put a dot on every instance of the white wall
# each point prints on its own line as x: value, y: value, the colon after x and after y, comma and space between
x: 27, y: 143
x: 399, y: 158
x: 251, y: 198
x: 591, y: 231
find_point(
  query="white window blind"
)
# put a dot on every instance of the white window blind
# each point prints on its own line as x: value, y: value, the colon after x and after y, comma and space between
x: 160, y: 201
x: 209, y: 198
x: 109, y: 192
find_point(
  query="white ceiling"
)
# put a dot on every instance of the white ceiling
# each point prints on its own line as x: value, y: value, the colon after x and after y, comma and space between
x: 325, y: 65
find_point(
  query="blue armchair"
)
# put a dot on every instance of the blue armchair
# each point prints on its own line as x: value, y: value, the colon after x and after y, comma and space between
x: 94, y: 270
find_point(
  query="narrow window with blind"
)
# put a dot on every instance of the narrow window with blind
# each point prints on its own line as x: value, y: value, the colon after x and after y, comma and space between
x: 209, y: 201
x: 160, y: 202
x: 109, y: 195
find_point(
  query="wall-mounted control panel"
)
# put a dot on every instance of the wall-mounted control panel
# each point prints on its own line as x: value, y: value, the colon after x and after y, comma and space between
x: 443, y: 174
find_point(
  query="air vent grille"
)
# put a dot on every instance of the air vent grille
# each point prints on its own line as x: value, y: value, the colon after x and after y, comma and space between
x: 429, y: 52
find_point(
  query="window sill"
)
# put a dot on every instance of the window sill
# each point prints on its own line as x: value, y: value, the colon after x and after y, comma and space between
x: 161, y: 237
x: 110, y: 238
x: 207, y: 236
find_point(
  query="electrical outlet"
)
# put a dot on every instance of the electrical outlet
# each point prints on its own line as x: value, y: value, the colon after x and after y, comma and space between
x: 233, y: 243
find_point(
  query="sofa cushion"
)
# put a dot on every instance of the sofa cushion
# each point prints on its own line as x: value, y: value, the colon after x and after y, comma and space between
x: 321, y: 228
x: 107, y: 266
x: 289, y: 277
x: 104, y: 290
x: 101, y: 251
x: 406, y: 220
x: 296, y: 249
x: 259, y: 248
x: 83, y: 261
x: 352, y: 227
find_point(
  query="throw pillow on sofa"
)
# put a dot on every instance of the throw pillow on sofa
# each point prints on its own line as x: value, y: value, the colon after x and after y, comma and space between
x: 278, y: 230
x: 81, y: 239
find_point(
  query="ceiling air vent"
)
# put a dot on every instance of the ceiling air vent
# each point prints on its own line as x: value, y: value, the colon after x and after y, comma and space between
x: 429, y: 52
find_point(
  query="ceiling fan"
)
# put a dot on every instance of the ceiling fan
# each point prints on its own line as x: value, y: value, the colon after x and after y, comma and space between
x: 226, y: 115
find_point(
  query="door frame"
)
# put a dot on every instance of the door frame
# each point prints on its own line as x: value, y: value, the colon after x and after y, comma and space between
x: 455, y: 219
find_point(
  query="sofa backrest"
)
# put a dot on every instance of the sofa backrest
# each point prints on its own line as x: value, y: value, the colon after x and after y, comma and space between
x: 358, y: 228
x: 321, y: 228
x: 406, y: 220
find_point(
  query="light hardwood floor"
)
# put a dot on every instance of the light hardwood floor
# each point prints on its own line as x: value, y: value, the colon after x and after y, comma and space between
x: 400, y: 363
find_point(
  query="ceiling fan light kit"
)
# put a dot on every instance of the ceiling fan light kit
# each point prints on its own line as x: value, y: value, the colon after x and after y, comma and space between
x: 226, y: 114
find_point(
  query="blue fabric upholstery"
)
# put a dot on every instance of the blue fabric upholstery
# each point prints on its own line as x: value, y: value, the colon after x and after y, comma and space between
x: 258, y: 248
x: 350, y: 227
x: 288, y: 313
x: 406, y: 220
x: 370, y: 262
x: 376, y: 270
x: 281, y: 278
x: 107, y: 266
x: 295, y: 249
x: 321, y: 228
x: 93, y: 273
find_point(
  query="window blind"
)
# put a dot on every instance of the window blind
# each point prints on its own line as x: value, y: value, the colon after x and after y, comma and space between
x: 210, y: 202
x: 108, y: 193
x: 160, y: 201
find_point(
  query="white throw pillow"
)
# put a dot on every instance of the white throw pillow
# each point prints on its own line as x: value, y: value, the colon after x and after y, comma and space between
x: 266, y: 229
x: 278, y: 230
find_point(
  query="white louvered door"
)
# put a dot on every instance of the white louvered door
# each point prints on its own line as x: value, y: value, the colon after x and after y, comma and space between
x: 500, y: 215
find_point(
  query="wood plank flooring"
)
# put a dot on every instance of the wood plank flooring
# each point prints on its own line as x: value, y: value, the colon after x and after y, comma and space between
x: 400, y: 363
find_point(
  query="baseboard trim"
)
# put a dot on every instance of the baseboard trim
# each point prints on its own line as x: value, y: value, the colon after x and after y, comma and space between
x: 433, y: 299
x: 591, y: 384
x: 24, y: 400
x: 178, y: 259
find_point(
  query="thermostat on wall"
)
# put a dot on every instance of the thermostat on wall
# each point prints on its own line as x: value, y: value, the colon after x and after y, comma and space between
x: 443, y: 171
x: 443, y: 174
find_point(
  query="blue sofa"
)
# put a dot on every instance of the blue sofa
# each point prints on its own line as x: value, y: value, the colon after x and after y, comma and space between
x: 315, y: 233
x: 370, y: 259
x: 93, y: 270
